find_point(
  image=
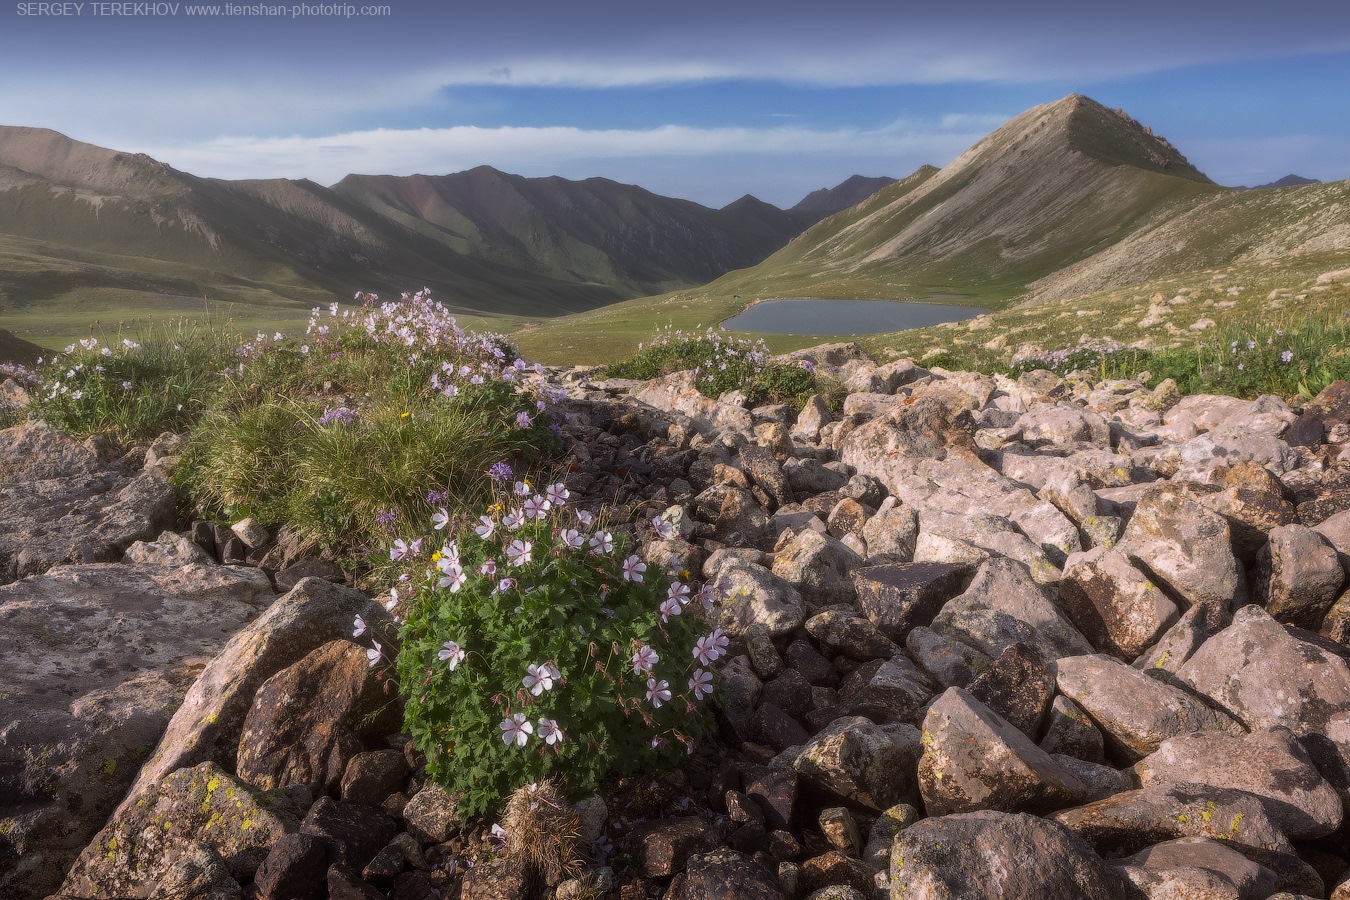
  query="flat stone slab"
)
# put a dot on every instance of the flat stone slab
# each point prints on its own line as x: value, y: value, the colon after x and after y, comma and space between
x: 97, y: 659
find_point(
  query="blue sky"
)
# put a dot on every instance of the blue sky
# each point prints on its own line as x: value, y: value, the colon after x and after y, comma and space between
x: 702, y: 100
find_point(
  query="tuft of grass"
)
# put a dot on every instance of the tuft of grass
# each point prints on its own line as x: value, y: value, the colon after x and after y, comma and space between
x: 361, y: 429
x: 720, y: 363
x: 129, y: 390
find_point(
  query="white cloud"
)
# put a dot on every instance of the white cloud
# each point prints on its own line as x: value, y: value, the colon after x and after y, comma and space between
x: 532, y: 150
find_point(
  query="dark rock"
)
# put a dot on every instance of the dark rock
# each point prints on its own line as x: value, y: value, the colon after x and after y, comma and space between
x: 371, y: 777
x: 776, y: 791
x: 1070, y: 732
x: 896, y: 598
x: 972, y: 760
x: 662, y: 848
x: 765, y: 472
x: 1018, y: 687
x: 857, y: 762
x: 431, y: 815
x: 836, y: 868
x: 808, y: 661
x: 790, y: 692
x: 776, y: 728
x: 294, y: 868
x: 310, y: 719
x: 346, y: 884
x: 500, y: 878
x: 725, y: 873
x: 352, y: 834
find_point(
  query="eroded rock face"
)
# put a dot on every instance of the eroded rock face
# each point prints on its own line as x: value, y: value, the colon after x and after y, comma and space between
x: 63, y: 504
x: 755, y: 596
x: 208, y: 724
x: 862, y: 763
x: 98, y: 657
x: 997, y: 856
x: 1113, y: 604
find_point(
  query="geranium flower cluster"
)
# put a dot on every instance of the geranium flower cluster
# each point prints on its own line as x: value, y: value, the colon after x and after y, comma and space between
x: 535, y: 643
x: 1087, y: 355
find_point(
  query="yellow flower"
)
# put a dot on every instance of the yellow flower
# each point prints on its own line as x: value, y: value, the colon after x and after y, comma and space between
x: 684, y: 573
x: 405, y: 415
x: 435, y: 557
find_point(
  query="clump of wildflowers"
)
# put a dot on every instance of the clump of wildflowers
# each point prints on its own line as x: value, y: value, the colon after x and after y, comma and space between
x: 534, y: 646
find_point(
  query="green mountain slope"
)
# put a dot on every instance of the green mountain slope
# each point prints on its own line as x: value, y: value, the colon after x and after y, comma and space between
x: 1050, y: 187
x: 619, y: 240
x: 86, y: 228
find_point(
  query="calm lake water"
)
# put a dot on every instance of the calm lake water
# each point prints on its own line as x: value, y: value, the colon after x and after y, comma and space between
x: 845, y: 316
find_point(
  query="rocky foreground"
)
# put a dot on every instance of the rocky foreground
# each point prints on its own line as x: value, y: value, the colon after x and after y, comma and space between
x: 1032, y: 639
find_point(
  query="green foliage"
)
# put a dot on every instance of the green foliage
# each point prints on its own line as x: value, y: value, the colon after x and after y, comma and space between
x: 1285, y: 359
x: 127, y: 390
x: 570, y: 604
x: 341, y: 436
x: 720, y: 364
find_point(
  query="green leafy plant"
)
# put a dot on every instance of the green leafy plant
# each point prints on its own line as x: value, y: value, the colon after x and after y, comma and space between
x: 533, y: 646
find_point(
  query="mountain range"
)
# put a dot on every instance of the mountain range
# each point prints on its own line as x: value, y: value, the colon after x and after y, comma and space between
x: 1067, y: 198
x: 79, y: 220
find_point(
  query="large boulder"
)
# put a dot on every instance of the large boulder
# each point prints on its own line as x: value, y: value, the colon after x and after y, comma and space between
x: 1186, y: 548
x: 64, y: 504
x: 98, y: 657
x: 1270, y: 764
x: 990, y: 855
x: 1136, y: 713
x: 1003, y: 605
x: 1299, y: 576
x: 858, y: 762
x: 973, y: 759
x: 752, y: 595
x: 679, y: 393
x: 897, y: 598
x: 164, y: 820
x: 1113, y: 604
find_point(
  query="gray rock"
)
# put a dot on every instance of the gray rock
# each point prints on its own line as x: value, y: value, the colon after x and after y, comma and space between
x: 1004, y: 605
x: 161, y: 824
x: 990, y: 855
x: 861, y: 763
x: 1113, y: 604
x: 1186, y: 547
x: 815, y: 414
x: 1267, y: 677
x: 727, y: 873
x: 64, y: 504
x: 1132, y: 820
x: 1249, y: 880
x: 972, y: 760
x: 1298, y: 576
x: 677, y: 393
x: 1060, y: 425
x: 1270, y: 764
x: 808, y: 477
x: 1101, y: 781
x: 251, y: 533
x: 894, y: 692
x: 199, y: 874
x: 1197, y: 625
x: 849, y: 634
x: 169, y: 549
x: 752, y: 595
x: 891, y: 534
x: 819, y: 567
x: 1136, y: 713
x: 950, y: 662
x: 99, y: 657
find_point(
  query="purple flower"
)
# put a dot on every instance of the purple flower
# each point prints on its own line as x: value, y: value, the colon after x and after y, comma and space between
x: 500, y: 471
x: 644, y: 659
x: 452, y: 653
x: 701, y: 684
x: 658, y: 692
x: 517, y: 728
x: 1287, y: 356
